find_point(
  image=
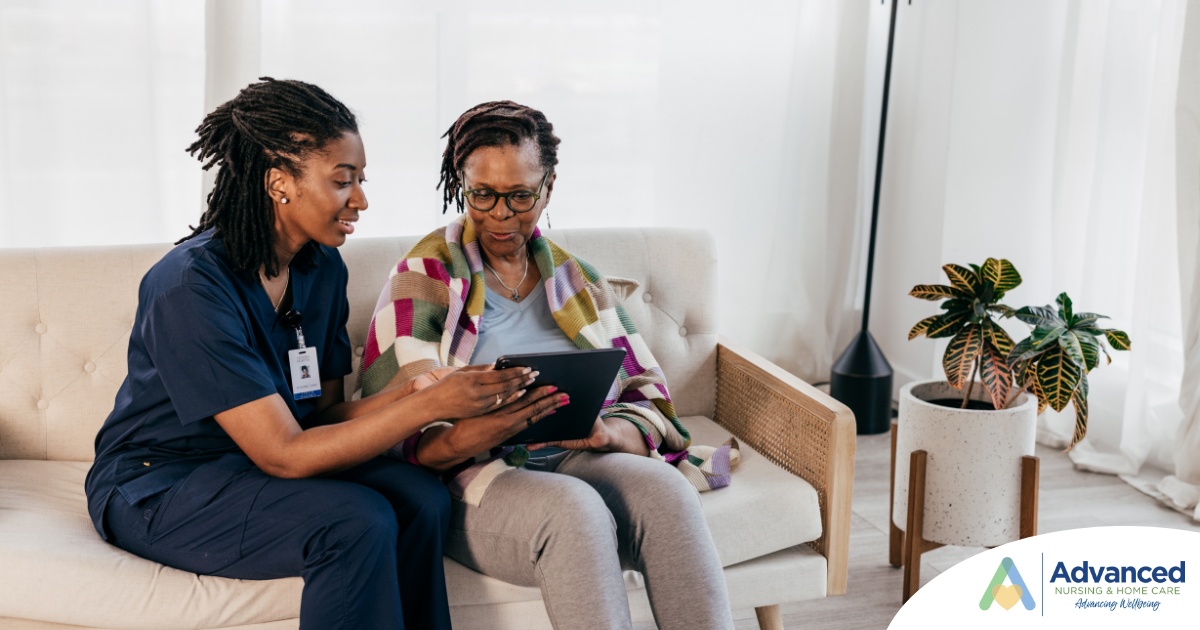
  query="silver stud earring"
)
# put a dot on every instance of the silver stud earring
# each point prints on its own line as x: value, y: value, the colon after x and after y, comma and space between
x: 283, y: 200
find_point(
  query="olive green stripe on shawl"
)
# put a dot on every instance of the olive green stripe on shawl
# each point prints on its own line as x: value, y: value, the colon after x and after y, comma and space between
x: 418, y: 286
x: 576, y: 315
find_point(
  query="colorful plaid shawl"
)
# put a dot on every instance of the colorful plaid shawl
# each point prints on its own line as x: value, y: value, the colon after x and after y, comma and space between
x: 428, y: 315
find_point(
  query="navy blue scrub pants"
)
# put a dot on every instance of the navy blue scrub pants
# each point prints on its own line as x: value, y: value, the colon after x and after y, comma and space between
x: 367, y: 541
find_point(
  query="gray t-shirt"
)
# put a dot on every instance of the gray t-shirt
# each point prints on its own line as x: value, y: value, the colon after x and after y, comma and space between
x: 518, y: 327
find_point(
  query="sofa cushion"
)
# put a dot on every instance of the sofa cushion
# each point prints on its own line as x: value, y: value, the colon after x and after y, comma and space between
x: 56, y: 568
x: 764, y: 509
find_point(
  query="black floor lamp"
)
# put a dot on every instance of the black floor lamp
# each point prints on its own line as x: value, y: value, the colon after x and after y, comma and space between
x: 862, y: 376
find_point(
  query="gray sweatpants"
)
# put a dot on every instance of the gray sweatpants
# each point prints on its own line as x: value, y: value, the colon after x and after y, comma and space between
x: 571, y: 531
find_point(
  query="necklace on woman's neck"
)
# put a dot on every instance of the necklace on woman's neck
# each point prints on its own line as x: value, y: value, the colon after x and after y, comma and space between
x: 516, y: 296
x: 286, y: 281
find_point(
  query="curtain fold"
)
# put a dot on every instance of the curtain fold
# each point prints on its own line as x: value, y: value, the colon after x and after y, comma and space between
x: 1181, y: 489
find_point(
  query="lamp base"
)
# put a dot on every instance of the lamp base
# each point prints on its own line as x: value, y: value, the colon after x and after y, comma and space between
x: 862, y: 380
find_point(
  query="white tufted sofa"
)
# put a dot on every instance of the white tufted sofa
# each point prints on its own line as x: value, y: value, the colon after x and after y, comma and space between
x: 782, y: 527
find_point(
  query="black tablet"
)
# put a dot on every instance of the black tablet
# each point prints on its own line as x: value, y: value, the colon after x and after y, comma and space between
x: 584, y: 375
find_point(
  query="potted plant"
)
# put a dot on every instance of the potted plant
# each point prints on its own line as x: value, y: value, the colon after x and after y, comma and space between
x: 974, y: 437
x: 966, y: 432
x: 1054, y: 361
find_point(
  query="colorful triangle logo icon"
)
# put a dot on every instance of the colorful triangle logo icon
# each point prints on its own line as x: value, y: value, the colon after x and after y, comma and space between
x: 1007, y: 596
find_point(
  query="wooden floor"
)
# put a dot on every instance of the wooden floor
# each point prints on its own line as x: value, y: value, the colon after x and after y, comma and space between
x: 1069, y: 499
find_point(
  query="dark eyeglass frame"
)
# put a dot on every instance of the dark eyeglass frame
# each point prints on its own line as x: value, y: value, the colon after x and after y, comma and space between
x: 507, y: 201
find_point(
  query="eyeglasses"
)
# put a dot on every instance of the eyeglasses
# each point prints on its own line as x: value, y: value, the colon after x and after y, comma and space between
x: 484, y: 199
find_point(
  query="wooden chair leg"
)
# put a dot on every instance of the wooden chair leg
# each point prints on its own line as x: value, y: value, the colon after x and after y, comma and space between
x: 769, y: 617
x: 913, y: 543
x: 1030, y: 481
x: 895, y: 534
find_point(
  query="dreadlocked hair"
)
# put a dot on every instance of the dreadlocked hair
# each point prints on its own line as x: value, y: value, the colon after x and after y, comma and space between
x: 493, y: 124
x: 269, y: 124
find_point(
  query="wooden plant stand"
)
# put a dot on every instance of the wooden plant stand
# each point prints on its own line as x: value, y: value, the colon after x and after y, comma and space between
x: 906, y: 550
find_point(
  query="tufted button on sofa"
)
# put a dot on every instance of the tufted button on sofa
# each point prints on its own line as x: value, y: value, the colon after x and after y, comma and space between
x: 781, y: 528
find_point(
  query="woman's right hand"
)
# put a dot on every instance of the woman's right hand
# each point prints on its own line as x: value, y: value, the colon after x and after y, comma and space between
x: 443, y: 447
x: 476, y: 390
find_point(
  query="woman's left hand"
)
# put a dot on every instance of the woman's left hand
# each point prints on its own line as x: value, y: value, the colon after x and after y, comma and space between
x: 600, y: 439
x: 607, y: 436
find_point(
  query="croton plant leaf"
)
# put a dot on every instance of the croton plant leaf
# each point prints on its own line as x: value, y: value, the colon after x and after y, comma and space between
x: 1057, y: 377
x: 1044, y: 338
x: 922, y: 326
x: 1081, y: 411
x: 1002, y: 274
x: 1064, y: 307
x: 997, y: 375
x: 947, y: 325
x: 997, y: 336
x: 934, y: 292
x: 1069, y: 342
x: 1083, y: 320
x: 962, y: 278
x: 1036, y: 390
x: 1091, y: 351
x: 1117, y: 339
x: 961, y: 354
x: 1042, y: 316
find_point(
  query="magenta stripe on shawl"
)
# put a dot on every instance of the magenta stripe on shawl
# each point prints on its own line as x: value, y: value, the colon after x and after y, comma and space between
x: 371, y: 347
x: 462, y: 342
x: 434, y: 269
x: 630, y: 364
x: 675, y: 457
x: 404, y: 318
x: 633, y: 396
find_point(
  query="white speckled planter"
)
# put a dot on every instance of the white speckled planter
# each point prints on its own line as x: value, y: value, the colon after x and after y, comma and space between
x: 973, y: 474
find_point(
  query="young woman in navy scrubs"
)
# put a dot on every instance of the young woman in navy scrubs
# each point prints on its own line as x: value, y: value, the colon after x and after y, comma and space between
x: 218, y: 458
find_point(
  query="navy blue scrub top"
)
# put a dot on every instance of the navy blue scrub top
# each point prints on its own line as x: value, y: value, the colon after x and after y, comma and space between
x: 207, y: 339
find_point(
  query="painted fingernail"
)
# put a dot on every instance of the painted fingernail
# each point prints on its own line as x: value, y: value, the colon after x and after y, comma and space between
x: 528, y: 370
x: 534, y: 374
x: 564, y: 399
x: 553, y: 389
x: 520, y: 393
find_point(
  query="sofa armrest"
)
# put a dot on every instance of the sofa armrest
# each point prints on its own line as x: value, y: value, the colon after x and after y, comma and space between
x: 799, y: 428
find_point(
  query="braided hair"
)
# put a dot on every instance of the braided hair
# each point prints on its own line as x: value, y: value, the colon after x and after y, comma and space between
x: 269, y: 124
x: 493, y: 124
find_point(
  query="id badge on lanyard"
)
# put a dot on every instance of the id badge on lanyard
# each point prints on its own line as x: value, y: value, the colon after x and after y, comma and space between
x: 306, y: 373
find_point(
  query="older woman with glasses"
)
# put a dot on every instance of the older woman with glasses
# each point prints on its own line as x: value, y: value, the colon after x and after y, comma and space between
x: 490, y: 284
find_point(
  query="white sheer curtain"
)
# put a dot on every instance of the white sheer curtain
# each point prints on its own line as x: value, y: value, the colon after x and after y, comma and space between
x: 1182, y: 488
x: 97, y: 102
x: 1044, y: 132
x: 743, y: 119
